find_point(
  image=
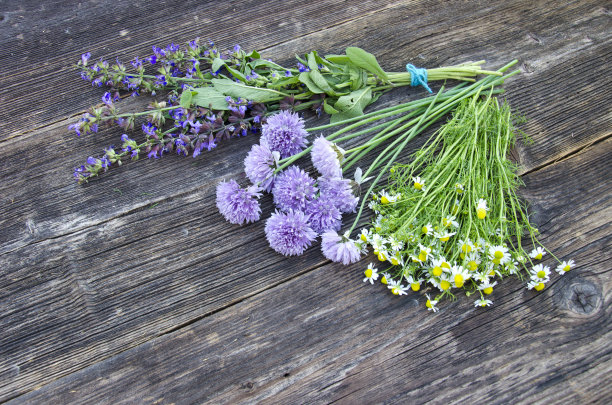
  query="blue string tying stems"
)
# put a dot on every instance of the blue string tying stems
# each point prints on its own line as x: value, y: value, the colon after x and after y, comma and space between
x: 418, y: 76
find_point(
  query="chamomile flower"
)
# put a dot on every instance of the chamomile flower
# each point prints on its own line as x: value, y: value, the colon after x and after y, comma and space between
x: 386, y: 279
x: 395, y: 244
x: 414, y: 283
x: 365, y: 234
x: 499, y: 254
x: 443, y: 236
x: 419, y: 183
x: 371, y: 274
x: 396, y: 287
x: 386, y: 198
x: 535, y: 285
x: 472, y: 260
x: 537, y: 253
x: 396, y: 259
x: 382, y: 255
x: 466, y: 246
x: 443, y: 283
x: 512, y: 267
x: 436, y: 266
x: 431, y: 304
x: 427, y: 229
x: 541, y: 273
x: 450, y: 222
x: 377, y: 242
x: 483, y: 303
x: 481, y: 209
x: 459, y: 188
x: 459, y: 275
x: 487, y: 287
x: 424, y: 252
x: 564, y: 267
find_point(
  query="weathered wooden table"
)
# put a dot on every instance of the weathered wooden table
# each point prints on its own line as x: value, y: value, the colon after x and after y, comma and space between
x: 132, y: 289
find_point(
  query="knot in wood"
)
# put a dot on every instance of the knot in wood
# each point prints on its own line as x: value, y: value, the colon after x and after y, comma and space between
x: 582, y: 297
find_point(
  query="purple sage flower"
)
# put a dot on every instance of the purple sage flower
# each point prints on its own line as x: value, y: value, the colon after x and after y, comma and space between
x: 289, y: 233
x: 326, y: 157
x: 238, y: 205
x: 259, y: 166
x: 293, y: 188
x: 340, y: 249
x: 323, y: 215
x: 340, y: 191
x: 85, y: 57
x: 285, y: 133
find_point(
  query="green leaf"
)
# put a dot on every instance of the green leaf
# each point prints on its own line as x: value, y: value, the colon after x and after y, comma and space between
x: 257, y: 94
x: 321, y: 83
x: 217, y: 64
x: 236, y: 73
x: 312, y: 86
x: 329, y: 109
x: 339, y: 59
x: 312, y: 60
x: 208, y: 97
x: 186, y: 97
x: 352, y: 104
x: 366, y: 61
x: 254, y: 55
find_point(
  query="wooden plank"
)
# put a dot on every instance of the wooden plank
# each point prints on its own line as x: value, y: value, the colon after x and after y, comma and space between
x: 48, y: 39
x: 326, y: 337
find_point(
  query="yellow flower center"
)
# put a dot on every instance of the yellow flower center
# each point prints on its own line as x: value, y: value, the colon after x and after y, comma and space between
x: 498, y: 254
x: 567, y: 268
x: 394, y: 261
x: 539, y: 287
x: 481, y: 213
x: 466, y: 248
x: 538, y: 256
x: 444, y: 285
x: 382, y: 257
x: 415, y: 286
x: 378, y: 228
x: 395, y: 291
x: 541, y: 274
x: 472, y: 265
x: 445, y: 238
x: 383, y: 280
x: 423, y: 256
x: 445, y: 265
x: 437, y: 271
x: 384, y: 200
x: 418, y: 186
x: 496, y: 261
x: 368, y: 273
x: 428, y: 304
x: 488, y: 290
x: 424, y: 229
x: 459, y: 280
x: 364, y: 237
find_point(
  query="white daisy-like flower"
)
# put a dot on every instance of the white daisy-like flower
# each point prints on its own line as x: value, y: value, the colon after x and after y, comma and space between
x: 386, y: 278
x: 499, y: 254
x: 541, y: 273
x: 450, y: 222
x: 377, y: 242
x: 386, y: 198
x: 365, y: 234
x: 481, y: 209
x: 466, y: 246
x: 565, y: 266
x: 535, y: 285
x: 414, y: 283
x: 459, y: 188
x: 396, y: 259
x: 396, y: 287
x: 483, y: 303
x: 395, y: 244
x: 443, y: 236
x: 427, y: 229
x: 431, y: 304
x: 371, y: 274
x: 487, y: 287
x: 419, y: 183
x: 459, y: 275
x: 537, y: 253
x: 472, y: 260
x: 424, y: 252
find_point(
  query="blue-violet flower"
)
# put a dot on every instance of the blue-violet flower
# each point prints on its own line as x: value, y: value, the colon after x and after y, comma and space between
x: 326, y: 157
x: 289, y: 233
x: 259, y: 166
x: 238, y: 205
x: 340, y: 248
x: 285, y: 133
x: 293, y: 188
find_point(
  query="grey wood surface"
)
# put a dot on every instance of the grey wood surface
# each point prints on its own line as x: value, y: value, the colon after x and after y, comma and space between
x: 132, y: 288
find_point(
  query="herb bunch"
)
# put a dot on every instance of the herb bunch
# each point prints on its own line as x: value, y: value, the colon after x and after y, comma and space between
x: 211, y: 95
x: 451, y: 219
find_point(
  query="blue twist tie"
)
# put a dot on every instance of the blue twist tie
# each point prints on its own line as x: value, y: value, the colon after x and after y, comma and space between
x: 418, y: 76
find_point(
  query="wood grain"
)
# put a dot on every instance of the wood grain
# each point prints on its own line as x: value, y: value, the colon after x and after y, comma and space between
x: 327, y: 337
x: 133, y: 289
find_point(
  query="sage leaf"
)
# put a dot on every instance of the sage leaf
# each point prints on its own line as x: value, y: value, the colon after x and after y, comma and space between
x: 208, y: 97
x: 256, y: 94
x: 312, y: 86
x: 352, y: 104
x: 186, y: 98
x: 366, y: 61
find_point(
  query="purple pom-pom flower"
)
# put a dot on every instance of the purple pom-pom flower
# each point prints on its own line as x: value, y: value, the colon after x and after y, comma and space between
x: 340, y: 191
x: 285, y: 133
x: 340, y: 249
x: 323, y: 215
x: 293, y: 188
x: 238, y: 205
x: 327, y: 157
x: 289, y: 233
x: 259, y: 166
